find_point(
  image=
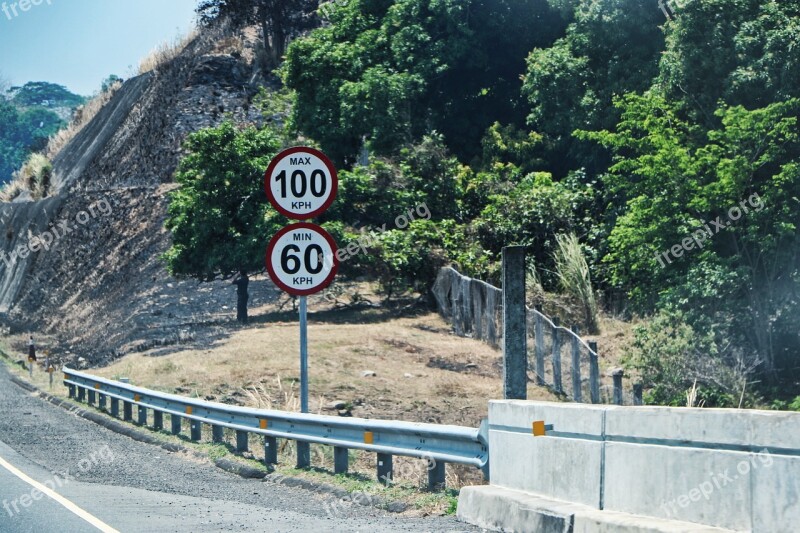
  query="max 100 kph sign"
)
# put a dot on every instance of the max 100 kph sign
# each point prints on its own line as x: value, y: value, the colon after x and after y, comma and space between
x: 301, y: 259
x: 301, y: 183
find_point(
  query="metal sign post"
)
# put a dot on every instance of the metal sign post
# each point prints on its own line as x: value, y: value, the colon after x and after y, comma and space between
x: 303, y: 354
x: 301, y: 183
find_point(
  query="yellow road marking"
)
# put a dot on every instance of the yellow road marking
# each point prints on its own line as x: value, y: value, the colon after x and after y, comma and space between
x: 96, y: 522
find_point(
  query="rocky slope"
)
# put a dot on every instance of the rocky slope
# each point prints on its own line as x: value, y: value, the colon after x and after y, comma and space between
x: 100, y: 287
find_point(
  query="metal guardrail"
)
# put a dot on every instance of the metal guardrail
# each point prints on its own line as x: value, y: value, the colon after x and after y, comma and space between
x: 438, y: 444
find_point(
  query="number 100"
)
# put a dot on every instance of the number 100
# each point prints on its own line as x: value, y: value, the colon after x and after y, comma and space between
x: 300, y: 183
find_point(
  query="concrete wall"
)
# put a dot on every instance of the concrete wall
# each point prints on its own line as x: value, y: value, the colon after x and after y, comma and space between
x: 733, y: 469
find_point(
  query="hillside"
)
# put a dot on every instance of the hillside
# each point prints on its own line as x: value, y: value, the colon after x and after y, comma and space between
x: 101, y: 289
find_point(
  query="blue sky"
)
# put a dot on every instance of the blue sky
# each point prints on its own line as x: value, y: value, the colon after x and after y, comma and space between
x: 78, y: 43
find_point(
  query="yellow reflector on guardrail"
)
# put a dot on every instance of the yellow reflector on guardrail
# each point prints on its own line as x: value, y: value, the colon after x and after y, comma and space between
x: 539, y: 429
x: 368, y: 437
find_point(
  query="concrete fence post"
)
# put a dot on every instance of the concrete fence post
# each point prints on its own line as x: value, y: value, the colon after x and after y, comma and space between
x: 617, y: 375
x: 538, y: 333
x: 557, y: 357
x: 515, y: 328
x: 102, y: 401
x: 577, y: 394
x: 92, y: 396
x: 81, y: 394
x: 340, y: 460
x: 385, y: 469
x: 217, y: 434
x: 142, y: 416
x: 127, y: 411
x: 594, y: 373
x: 115, y: 407
x: 637, y: 394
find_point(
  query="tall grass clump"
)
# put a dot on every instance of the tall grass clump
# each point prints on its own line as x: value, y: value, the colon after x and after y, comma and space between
x: 574, y: 276
x: 35, y: 176
x: 165, y: 52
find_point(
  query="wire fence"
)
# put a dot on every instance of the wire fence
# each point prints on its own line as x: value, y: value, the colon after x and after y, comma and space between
x: 558, y: 357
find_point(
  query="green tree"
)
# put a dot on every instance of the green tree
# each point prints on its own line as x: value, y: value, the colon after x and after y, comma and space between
x: 218, y: 216
x: 391, y: 72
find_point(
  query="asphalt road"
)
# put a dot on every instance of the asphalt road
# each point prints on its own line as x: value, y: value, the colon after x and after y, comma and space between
x: 101, y: 480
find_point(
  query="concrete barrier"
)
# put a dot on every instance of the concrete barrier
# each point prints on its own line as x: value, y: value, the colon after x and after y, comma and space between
x: 612, y: 468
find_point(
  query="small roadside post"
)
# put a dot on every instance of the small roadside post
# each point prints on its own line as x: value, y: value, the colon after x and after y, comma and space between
x: 301, y: 183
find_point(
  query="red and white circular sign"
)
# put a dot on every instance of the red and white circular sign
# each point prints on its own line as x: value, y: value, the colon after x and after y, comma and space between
x: 301, y: 259
x: 301, y: 183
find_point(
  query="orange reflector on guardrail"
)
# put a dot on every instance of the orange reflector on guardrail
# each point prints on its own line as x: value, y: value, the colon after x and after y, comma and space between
x: 96, y: 385
x: 136, y: 397
x: 66, y: 377
x: 539, y: 428
x: 189, y: 410
x: 368, y: 437
x: 262, y: 424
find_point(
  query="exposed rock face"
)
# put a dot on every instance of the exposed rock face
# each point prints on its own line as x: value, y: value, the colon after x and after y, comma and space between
x: 101, y: 286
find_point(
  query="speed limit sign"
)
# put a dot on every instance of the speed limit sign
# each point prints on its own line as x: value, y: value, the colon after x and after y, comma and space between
x: 301, y: 183
x: 301, y: 259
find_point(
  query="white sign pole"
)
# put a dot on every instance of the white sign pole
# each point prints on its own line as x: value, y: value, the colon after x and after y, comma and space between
x: 303, y: 355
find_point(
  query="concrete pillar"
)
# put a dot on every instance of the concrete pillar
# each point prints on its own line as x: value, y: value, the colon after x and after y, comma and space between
x: 81, y: 394
x: 115, y: 407
x: 637, y: 394
x: 92, y: 397
x: 127, y: 411
x: 557, y: 385
x: 576, y: 366
x: 617, y: 374
x: 340, y: 460
x: 515, y: 330
x: 217, y: 434
x: 142, y: 420
x: 538, y: 333
x: 102, y: 401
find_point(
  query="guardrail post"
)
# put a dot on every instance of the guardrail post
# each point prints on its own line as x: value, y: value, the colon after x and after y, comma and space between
x: 340, y: 460
x: 515, y: 327
x: 557, y: 357
x: 102, y: 401
x: 81, y: 394
x: 176, y: 424
x: 241, y: 441
x: 92, y: 397
x: 142, y: 416
x: 270, y: 450
x: 127, y: 411
x: 436, y: 475
x: 158, y: 420
x: 385, y: 469
x: 71, y: 390
x: 576, y: 366
x: 538, y: 333
x: 217, y: 434
x: 303, y: 454
x: 115, y: 407
x: 594, y: 373
x: 197, y: 430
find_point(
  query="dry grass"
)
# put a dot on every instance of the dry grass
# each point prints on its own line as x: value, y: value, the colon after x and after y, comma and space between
x: 165, y: 52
